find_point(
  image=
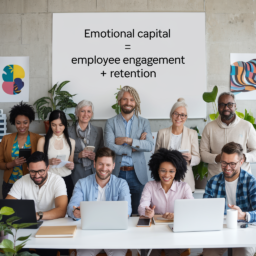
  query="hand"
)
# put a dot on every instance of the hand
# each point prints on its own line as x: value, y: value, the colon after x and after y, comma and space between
x: 187, y: 156
x: 18, y: 161
x: 91, y: 156
x: 149, y: 211
x: 241, y: 214
x: 217, y: 158
x: 134, y: 150
x: 37, y: 216
x: 143, y: 136
x: 168, y: 215
x: 54, y: 161
x: 70, y: 166
x: 77, y: 212
x: 120, y: 140
x: 84, y: 154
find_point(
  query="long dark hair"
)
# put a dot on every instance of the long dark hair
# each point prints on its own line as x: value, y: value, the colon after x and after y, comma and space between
x: 56, y: 114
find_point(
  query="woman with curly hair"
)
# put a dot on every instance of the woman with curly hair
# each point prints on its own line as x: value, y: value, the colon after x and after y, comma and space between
x: 168, y: 169
x: 21, y: 115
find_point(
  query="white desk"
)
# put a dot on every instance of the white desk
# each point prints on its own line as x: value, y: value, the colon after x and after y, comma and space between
x: 157, y: 236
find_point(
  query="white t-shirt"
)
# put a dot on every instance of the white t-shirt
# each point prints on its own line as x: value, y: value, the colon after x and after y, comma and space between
x: 175, y: 142
x: 101, y: 193
x: 44, y: 198
x: 231, y: 191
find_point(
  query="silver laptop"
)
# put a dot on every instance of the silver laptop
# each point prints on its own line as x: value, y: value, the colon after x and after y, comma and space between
x: 104, y: 215
x: 198, y: 215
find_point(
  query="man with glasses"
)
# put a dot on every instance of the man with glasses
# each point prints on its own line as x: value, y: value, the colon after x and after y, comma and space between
x: 238, y: 187
x: 47, y: 189
x: 226, y: 128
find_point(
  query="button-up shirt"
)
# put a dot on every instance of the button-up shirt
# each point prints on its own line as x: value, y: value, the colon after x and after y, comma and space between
x: 127, y: 160
x: 86, y: 189
x: 154, y: 195
x: 245, y: 192
x: 44, y: 197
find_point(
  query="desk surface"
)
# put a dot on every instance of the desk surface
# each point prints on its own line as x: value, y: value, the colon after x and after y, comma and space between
x: 157, y: 236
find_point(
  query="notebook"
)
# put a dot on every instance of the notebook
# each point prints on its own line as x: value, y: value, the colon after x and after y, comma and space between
x: 56, y: 232
x: 158, y: 219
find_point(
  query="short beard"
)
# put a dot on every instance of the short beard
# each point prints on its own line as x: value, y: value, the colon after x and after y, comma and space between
x: 43, y: 180
x: 227, y: 118
x: 233, y: 174
x: 101, y: 177
x: 127, y: 111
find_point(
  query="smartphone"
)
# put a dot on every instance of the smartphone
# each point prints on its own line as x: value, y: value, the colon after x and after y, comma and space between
x: 143, y: 223
x: 183, y: 151
x: 89, y: 148
x: 244, y: 226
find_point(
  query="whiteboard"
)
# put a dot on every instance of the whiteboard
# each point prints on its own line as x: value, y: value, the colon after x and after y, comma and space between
x: 82, y: 38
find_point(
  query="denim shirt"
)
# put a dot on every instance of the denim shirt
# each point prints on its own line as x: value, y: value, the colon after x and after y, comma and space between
x: 86, y: 189
x: 127, y: 160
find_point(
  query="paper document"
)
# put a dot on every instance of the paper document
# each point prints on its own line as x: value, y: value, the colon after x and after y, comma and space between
x: 61, y: 164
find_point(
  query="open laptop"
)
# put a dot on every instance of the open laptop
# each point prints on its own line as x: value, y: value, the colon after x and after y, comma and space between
x: 198, y: 215
x: 104, y: 215
x: 25, y: 209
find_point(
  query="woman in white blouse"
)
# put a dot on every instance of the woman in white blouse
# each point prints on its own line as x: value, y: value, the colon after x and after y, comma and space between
x: 179, y: 137
x: 58, y: 146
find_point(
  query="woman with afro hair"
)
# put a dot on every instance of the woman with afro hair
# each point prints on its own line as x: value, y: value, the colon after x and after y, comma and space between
x: 168, y: 169
x: 21, y: 115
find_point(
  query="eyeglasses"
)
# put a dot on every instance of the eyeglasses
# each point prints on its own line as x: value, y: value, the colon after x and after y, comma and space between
x: 232, y: 165
x: 40, y: 172
x: 229, y: 104
x: 182, y: 116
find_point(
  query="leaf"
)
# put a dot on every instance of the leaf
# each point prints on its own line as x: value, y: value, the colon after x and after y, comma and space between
x: 8, y: 231
x: 212, y: 117
x: 53, y: 89
x: 23, y: 225
x: 73, y: 118
x: 65, y: 93
x: 22, y: 238
x: 200, y: 170
x: 43, y: 99
x: 27, y: 254
x: 60, y: 86
x: 211, y: 96
x: 6, y: 211
x: 12, y: 219
x: 7, y: 244
x: 254, y: 125
x: 20, y: 246
x: 239, y: 114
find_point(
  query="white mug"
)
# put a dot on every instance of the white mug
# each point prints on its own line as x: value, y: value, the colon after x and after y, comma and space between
x: 232, y: 216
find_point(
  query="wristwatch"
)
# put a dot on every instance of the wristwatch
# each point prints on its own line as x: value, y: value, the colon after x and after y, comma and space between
x: 40, y: 215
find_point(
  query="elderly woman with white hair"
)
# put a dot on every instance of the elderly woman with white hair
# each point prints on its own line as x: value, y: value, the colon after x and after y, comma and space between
x: 179, y: 137
x: 85, y: 134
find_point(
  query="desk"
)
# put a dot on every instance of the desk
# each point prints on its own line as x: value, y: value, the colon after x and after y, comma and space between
x: 157, y: 236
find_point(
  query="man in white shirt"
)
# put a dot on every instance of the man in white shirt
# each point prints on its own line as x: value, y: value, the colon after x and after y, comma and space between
x: 226, y: 128
x: 47, y: 189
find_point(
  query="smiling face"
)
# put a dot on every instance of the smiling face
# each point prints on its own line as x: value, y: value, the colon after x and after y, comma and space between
x: 38, y: 179
x: 166, y: 173
x: 85, y: 114
x: 179, y: 116
x: 127, y: 103
x: 57, y: 127
x: 22, y: 124
x: 226, y: 112
x: 104, y: 167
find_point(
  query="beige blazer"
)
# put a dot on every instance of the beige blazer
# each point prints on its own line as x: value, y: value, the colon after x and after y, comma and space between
x: 189, y: 141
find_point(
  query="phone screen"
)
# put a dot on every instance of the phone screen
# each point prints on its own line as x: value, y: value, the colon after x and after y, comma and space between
x: 143, y: 222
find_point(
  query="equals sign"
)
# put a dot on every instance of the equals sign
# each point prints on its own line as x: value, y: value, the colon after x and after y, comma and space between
x: 127, y: 47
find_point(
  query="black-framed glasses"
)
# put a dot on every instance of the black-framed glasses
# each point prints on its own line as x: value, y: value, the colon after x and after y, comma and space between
x: 229, y: 104
x: 182, y: 116
x: 232, y: 164
x: 40, y: 172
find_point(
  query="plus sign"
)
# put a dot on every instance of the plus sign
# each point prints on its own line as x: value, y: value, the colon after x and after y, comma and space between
x: 103, y: 73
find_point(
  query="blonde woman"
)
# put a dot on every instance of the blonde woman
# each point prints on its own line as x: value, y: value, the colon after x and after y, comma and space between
x: 179, y: 137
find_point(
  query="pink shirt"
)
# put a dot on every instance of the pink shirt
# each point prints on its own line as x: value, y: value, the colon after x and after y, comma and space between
x: 154, y: 194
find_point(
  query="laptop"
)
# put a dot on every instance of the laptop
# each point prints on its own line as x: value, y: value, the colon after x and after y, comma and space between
x: 104, y: 215
x: 198, y: 215
x: 25, y: 209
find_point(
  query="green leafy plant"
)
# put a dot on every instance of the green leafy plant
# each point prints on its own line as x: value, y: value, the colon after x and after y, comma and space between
x: 59, y: 99
x: 7, y: 246
x: 116, y: 106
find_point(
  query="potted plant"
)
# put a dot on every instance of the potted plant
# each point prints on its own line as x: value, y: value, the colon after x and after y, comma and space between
x: 116, y: 106
x: 7, y: 246
x: 59, y: 100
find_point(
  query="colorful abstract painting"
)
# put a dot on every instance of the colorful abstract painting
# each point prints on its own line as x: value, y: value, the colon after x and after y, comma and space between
x: 13, y: 79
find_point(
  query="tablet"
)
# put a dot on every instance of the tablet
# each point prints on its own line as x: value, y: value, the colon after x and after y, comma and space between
x: 25, y: 152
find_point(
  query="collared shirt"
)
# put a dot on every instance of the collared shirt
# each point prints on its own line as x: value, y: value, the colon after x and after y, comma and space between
x: 127, y: 160
x: 86, y: 189
x: 245, y: 192
x: 44, y: 197
x: 154, y: 195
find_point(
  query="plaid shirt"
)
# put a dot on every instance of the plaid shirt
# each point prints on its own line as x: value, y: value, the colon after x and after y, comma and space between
x: 245, y: 192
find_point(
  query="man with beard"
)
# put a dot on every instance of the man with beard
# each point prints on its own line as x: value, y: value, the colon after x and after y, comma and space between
x: 238, y: 187
x: 47, y: 189
x: 100, y: 186
x: 226, y: 128
x: 129, y: 136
